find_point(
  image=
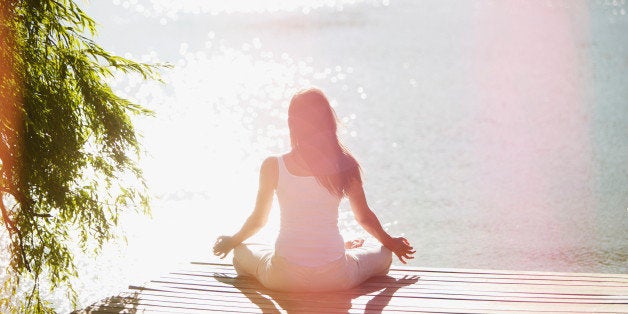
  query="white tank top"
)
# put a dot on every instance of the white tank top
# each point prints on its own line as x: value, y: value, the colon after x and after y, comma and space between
x: 308, y: 233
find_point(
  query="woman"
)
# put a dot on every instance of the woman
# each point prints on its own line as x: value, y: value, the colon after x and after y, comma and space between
x: 310, y: 254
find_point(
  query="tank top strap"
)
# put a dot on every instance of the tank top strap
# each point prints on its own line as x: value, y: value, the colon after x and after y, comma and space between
x: 282, y: 167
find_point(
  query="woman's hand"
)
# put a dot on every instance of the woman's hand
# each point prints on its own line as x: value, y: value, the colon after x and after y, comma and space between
x: 402, y: 248
x: 353, y: 244
x: 224, y: 245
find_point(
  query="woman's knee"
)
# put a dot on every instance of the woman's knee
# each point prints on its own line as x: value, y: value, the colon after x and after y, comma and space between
x: 237, y: 260
x: 239, y: 250
x: 247, y: 258
x: 388, y: 253
x: 387, y: 259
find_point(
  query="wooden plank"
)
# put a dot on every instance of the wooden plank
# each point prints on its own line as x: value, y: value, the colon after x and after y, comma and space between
x: 266, y: 304
x: 449, y: 305
x: 610, y: 281
x: 434, y: 295
x: 509, y: 272
x: 248, y: 306
x: 374, y: 286
x: 470, y: 279
x: 319, y: 301
x: 410, y: 299
x: 617, y: 281
x: 390, y: 279
x: 463, y: 278
x: 402, y: 268
x: 357, y: 302
x: 500, y: 286
x: 150, y: 307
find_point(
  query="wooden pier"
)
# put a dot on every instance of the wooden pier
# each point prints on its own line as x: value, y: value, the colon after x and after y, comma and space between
x: 203, y: 287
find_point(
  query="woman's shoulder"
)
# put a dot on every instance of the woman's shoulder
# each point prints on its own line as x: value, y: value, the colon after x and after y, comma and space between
x: 269, y: 172
x: 275, y: 159
x: 271, y: 161
x: 271, y: 164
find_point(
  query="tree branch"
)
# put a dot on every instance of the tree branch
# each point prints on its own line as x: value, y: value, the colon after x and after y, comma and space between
x: 7, y: 220
x: 13, y: 230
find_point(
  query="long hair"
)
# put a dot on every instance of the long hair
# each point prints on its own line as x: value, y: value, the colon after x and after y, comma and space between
x: 313, y: 126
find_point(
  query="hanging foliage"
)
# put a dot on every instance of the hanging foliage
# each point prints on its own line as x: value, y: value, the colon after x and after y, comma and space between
x: 68, y: 148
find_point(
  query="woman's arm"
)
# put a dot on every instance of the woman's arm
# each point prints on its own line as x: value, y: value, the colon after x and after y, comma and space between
x: 367, y: 219
x: 267, y: 184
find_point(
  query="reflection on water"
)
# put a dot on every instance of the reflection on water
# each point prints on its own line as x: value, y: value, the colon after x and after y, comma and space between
x: 491, y: 133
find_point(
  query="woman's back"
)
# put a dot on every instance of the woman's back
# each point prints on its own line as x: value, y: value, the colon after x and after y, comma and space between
x: 310, y: 254
x: 309, y: 233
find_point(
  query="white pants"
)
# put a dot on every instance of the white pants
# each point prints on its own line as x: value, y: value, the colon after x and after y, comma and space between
x: 276, y: 273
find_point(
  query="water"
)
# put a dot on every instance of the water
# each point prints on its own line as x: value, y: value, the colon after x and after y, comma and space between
x: 491, y: 134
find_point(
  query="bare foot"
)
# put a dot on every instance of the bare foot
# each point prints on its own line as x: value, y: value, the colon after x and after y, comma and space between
x: 354, y: 244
